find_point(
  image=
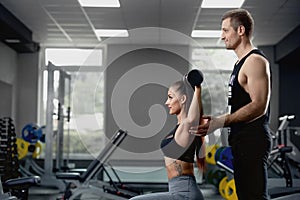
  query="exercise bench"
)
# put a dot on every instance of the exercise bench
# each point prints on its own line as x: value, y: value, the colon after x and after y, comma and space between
x: 88, y: 183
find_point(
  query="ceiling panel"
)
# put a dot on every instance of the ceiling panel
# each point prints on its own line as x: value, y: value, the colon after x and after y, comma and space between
x: 105, y: 18
x: 174, y: 12
x: 209, y: 19
x: 66, y: 23
x: 134, y: 12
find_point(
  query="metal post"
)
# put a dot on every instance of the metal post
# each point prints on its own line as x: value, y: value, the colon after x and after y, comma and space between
x: 48, y: 163
x: 60, y: 127
x: 48, y: 178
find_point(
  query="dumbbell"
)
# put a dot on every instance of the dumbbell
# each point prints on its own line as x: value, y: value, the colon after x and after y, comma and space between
x: 31, y: 133
x: 211, y: 151
x: 227, y: 188
x: 194, y: 77
x: 225, y: 157
x: 215, y: 176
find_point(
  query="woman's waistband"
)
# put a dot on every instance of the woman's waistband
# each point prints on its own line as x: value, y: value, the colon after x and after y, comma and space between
x: 183, y: 177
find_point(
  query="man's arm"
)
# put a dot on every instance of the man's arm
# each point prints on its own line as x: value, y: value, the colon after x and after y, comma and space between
x: 254, y: 77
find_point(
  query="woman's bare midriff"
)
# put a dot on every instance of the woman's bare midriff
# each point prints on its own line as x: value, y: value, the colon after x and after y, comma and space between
x: 177, y: 168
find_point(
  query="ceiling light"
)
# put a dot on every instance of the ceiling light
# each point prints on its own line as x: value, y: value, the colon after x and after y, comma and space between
x: 99, y: 3
x: 111, y: 33
x: 73, y: 56
x: 222, y: 3
x: 12, y: 40
x: 206, y: 34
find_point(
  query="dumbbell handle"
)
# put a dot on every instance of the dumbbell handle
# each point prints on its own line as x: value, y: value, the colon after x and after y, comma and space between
x: 225, y: 167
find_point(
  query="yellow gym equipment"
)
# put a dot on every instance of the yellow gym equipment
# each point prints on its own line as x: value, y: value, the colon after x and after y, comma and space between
x: 227, y: 189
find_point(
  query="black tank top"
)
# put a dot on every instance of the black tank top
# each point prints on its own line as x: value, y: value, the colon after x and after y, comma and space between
x: 238, y: 97
x: 173, y: 150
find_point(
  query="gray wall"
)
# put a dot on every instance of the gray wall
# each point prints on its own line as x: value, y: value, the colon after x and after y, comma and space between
x: 289, y: 69
x: 287, y: 55
x: 284, y: 60
x: 27, y: 89
x: 19, y: 72
x: 6, y: 97
x: 137, y: 79
x: 8, y: 67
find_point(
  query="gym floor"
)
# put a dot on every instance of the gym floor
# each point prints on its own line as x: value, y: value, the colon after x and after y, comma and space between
x: 150, y: 176
x: 38, y: 193
x: 209, y: 191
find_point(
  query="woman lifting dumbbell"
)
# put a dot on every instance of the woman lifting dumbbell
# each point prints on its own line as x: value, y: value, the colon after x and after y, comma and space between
x: 179, y: 146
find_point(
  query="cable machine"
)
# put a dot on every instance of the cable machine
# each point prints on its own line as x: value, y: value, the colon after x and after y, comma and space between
x: 62, y: 113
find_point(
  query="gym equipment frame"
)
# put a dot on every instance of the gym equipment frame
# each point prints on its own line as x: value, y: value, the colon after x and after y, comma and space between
x: 88, y: 183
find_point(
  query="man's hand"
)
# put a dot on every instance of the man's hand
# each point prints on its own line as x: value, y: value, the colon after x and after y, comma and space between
x: 208, y: 125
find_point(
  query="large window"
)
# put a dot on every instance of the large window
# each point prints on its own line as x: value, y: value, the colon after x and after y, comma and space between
x: 83, y: 98
x: 216, y: 65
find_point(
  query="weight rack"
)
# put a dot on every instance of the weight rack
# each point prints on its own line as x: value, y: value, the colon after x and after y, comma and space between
x: 9, y: 165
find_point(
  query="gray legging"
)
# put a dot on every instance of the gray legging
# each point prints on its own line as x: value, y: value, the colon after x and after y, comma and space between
x: 180, y: 187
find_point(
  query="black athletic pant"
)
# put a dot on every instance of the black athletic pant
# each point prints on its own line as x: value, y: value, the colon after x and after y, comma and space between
x: 250, y: 167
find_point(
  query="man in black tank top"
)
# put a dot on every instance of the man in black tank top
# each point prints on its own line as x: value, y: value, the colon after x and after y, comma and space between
x: 248, y: 108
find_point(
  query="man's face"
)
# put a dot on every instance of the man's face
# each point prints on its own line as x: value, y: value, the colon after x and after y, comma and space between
x: 230, y: 37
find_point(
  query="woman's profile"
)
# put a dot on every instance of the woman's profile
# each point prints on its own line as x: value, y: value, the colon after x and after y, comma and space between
x: 179, y: 146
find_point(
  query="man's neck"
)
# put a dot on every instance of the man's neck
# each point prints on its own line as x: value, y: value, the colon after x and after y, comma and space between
x: 243, y: 49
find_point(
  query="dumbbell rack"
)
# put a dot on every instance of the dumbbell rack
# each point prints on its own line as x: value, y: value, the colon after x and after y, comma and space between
x: 14, y: 186
x: 9, y: 165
